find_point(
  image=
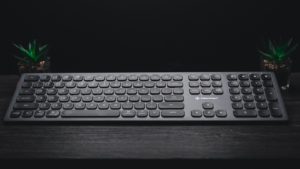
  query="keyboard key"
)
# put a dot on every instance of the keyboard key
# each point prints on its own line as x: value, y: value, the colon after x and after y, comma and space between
x: 27, y: 114
x: 174, y: 98
x: 245, y: 113
x: 15, y: 114
x: 27, y: 92
x: 193, y: 77
x: 208, y: 113
x: 218, y: 91
x: 235, y: 98
x: 166, y: 77
x: 39, y: 114
x: 249, y: 105
x: 31, y: 78
x: 237, y: 105
x: 177, y: 77
x: 122, y: 78
x: 29, y: 98
x: 264, y: 113
x: 194, y: 84
x: 172, y: 113
x: 234, y: 90
x: 194, y: 91
x: 266, y: 76
x: 204, y: 77
x: 142, y: 113
x: 52, y: 113
x: 68, y: 106
x: 275, y: 110
x: 231, y: 77
x: 270, y: 94
x: 155, y: 77
x: 178, y: 91
x: 154, y: 113
x: 139, y: 106
x: 144, y: 77
x: 25, y: 106
x: 243, y: 77
x: 196, y: 113
x: 151, y: 106
x: 262, y: 105
x: 175, y: 84
x: 90, y: 113
x: 206, y: 91
x: 128, y: 113
x: 254, y: 76
x: 171, y: 105
x: 207, y: 105
x: 221, y: 113
x: 216, y: 77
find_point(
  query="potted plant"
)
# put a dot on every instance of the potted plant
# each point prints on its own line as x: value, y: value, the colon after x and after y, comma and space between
x: 34, y: 59
x: 277, y: 58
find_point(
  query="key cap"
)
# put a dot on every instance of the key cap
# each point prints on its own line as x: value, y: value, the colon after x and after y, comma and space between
x: 142, y: 113
x: 25, y: 98
x: 129, y: 84
x: 175, y: 84
x: 271, y: 95
x: 128, y: 113
x: 208, y: 113
x: 245, y: 113
x: 264, y: 113
x: 237, y: 105
x: 204, y: 77
x: 171, y: 105
x: 27, y: 114
x: 166, y: 77
x: 275, y: 110
x: 39, y: 114
x: 154, y: 113
x: 52, y: 113
x: 172, y: 113
x: 15, y: 114
x: 26, y: 106
x: 196, y: 113
x: 216, y: 77
x: 31, y: 78
x: 207, y: 105
x: 90, y: 113
x: 174, y: 98
x: 218, y: 91
x: 26, y: 91
x: 193, y: 77
x: 221, y: 113
x: 232, y: 77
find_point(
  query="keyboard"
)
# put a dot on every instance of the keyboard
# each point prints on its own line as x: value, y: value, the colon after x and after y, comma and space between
x: 180, y: 96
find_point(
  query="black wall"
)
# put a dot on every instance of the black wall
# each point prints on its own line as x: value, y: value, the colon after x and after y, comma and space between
x: 147, y: 35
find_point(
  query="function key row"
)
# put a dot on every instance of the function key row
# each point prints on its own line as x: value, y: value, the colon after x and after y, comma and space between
x: 66, y: 78
x: 105, y: 84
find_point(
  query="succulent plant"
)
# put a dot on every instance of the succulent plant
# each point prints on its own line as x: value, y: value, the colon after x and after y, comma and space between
x: 279, y: 52
x: 33, y: 54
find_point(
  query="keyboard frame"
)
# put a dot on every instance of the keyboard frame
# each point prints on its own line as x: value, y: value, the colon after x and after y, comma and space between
x: 191, y: 102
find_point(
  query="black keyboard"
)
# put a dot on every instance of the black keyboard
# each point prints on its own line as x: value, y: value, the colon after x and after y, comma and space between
x: 195, y: 96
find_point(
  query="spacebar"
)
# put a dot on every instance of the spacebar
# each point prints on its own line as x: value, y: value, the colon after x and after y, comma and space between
x: 90, y: 113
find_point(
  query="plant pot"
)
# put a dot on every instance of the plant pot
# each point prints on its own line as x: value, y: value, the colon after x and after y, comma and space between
x: 42, y: 66
x: 282, y: 71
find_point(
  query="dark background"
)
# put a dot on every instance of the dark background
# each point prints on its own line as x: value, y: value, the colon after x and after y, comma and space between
x: 148, y: 35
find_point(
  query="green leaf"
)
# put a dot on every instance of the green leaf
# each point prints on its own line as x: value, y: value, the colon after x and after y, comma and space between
x: 271, y: 47
x: 291, y: 50
x: 266, y: 54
